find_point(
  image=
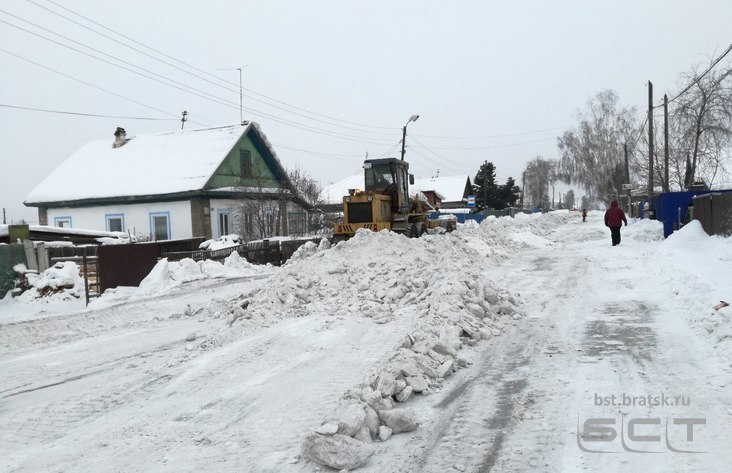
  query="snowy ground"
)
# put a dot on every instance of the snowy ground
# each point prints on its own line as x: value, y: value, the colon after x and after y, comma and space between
x: 210, y: 368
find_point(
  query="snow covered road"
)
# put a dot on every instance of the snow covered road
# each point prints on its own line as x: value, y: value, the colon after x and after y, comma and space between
x: 176, y: 382
x: 597, y: 324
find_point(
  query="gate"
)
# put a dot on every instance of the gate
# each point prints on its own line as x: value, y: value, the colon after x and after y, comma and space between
x: 125, y: 265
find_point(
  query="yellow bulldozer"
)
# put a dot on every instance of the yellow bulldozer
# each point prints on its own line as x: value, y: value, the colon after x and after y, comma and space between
x: 386, y: 204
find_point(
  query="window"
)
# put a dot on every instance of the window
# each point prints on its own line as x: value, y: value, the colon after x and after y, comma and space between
x: 296, y: 223
x: 160, y: 226
x: 63, y: 222
x: 269, y: 225
x: 115, y: 222
x: 249, y: 224
x: 245, y: 160
x: 224, y: 222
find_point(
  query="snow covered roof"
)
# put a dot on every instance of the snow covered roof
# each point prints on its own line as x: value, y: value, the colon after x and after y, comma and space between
x: 333, y: 194
x: 155, y: 164
x: 449, y: 188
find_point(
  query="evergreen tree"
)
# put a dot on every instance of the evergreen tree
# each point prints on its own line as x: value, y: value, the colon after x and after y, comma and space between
x: 507, y: 195
x: 484, y: 186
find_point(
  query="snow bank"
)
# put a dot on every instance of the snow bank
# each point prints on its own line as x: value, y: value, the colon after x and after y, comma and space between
x: 643, y: 230
x: 699, y: 268
x: 690, y: 235
x: 431, y: 288
x: 168, y: 275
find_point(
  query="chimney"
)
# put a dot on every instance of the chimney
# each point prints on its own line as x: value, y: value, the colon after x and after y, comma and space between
x: 119, y: 137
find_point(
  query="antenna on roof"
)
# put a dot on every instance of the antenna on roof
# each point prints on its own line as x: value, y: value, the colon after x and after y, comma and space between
x: 183, y: 120
x: 241, y: 92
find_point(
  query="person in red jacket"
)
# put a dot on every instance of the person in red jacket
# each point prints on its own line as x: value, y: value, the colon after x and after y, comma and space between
x: 614, y: 218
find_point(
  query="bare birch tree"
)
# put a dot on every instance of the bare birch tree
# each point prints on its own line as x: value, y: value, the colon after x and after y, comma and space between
x: 702, y: 122
x: 592, y: 155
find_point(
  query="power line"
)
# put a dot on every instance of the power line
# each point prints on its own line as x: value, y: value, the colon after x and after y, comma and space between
x: 493, y: 136
x: 197, y: 69
x: 201, y: 93
x: 696, y: 80
x: 65, y: 112
x: 89, y: 84
x: 480, y: 148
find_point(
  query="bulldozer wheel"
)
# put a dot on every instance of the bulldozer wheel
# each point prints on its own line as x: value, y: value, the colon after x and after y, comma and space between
x: 449, y: 227
x: 413, y: 231
x: 422, y: 229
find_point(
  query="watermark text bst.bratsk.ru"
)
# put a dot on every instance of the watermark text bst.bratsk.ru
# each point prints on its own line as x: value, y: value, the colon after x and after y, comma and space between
x: 649, y: 400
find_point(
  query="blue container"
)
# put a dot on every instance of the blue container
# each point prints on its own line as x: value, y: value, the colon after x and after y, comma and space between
x: 671, y: 208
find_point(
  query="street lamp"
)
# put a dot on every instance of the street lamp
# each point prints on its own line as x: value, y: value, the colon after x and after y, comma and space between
x: 413, y: 118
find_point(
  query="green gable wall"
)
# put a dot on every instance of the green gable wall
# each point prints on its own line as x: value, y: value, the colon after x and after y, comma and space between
x: 229, y: 172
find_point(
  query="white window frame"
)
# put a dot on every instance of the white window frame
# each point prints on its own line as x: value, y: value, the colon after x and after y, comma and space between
x: 153, y: 236
x: 109, y: 217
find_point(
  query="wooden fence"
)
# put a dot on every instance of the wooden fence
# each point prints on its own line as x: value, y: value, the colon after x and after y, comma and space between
x: 274, y: 252
x: 108, y: 266
x: 714, y: 212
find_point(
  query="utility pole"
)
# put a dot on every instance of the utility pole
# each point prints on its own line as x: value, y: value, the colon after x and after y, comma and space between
x: 552, y: 196
x: 4, y: 216
x: 627, y: 179
x: 650, y: 144
x: 413, y: 118
x: 666, y: 187
x: 523, y: 188
x: 183, y: 120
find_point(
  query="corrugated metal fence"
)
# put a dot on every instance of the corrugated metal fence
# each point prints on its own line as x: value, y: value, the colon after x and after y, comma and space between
x: 714, y: 212
x: 10, y: 255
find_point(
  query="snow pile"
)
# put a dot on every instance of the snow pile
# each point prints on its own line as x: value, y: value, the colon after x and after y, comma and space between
x: 643, y: 230
x: 307, y: 250
x: 686, y: 260
x: 690, y: 235
x: 167, y: 275
x: 60, y: 282
x: 225, y: 241
x: 505, y: 236
x: 430, y: 288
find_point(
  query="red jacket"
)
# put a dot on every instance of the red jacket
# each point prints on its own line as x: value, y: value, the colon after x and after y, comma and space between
x: 614, y: 216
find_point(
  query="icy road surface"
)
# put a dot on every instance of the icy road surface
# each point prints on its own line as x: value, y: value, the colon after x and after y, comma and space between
x: 167, y: 383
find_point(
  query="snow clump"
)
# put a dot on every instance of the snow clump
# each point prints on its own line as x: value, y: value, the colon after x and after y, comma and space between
x: 62, y: 281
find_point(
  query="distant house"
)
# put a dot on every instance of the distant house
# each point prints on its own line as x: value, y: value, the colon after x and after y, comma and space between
x: 181, y: 184
x: 444, y: 192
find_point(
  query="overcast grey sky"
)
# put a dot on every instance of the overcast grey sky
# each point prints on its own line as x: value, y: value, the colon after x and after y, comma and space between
x: 332, y: 80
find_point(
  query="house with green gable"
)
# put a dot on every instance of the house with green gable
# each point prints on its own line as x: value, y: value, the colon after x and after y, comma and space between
x: 206, y: 182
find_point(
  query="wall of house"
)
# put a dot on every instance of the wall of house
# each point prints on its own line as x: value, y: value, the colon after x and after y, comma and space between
x: 296, y: 224
x: 136, y: 217
x: 229, y: 173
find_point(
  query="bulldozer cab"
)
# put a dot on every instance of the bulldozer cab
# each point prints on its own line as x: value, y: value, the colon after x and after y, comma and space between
x: 390, y: 177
